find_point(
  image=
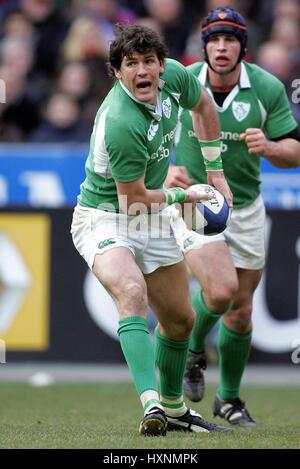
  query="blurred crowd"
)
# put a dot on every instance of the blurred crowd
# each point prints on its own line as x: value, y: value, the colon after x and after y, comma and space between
x: 53, y: 55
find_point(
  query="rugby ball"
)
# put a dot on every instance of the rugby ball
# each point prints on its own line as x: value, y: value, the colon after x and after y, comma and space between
x: 210, y: 217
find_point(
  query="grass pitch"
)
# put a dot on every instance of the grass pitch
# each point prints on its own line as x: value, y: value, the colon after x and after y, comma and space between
x: 108, y: 416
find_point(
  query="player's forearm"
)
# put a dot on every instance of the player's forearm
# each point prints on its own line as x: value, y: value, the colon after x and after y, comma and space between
x: 205, y: 118
x: 153, y: 201
x: 207, y: 129
x: 142, y: 201
x: 284, y: 153
x: 135, y: 198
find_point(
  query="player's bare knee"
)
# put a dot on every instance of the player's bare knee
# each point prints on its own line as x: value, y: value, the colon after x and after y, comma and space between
x: 239, y: 319
x: 222, y: 294
x: 133, y: 296
x: 182, y: 328
x: 218, y: 299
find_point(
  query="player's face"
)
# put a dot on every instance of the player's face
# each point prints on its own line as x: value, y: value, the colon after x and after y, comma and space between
x: 140, y: 75
x: 223, y: 52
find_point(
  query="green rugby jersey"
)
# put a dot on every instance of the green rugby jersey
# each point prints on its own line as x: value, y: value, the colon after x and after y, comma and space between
x: 131, y: 139
x: 259, y: 100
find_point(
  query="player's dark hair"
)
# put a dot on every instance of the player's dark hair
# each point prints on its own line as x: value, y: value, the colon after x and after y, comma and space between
x: 134, y: 38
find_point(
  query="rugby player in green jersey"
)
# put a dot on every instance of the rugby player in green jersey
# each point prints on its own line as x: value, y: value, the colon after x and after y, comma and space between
x: 120, y: 225
x: 256, y: 121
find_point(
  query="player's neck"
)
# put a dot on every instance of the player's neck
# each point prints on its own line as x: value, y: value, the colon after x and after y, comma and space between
x: 223, y: 83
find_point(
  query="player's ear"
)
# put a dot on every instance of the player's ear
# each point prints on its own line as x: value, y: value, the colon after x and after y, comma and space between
x: 118, y: 74
x: 161, y: 66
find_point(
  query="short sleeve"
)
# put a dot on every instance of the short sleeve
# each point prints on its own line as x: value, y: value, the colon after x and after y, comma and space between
x: 182, y: 83
x: 127, y: 152
x: 280, y: 120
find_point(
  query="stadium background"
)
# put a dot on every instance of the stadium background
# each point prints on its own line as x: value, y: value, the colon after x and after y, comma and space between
x: 52, y: 61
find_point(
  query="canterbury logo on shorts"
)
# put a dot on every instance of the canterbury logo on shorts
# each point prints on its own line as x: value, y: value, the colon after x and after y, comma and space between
x: 105, y: 243
x: 188, y: 242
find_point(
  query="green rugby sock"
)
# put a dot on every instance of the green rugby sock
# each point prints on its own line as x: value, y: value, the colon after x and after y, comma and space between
x: 173, y: 407
x: 138, y: 351
x: 171, y: 358
x: 204, y: 322
x: 233, y: 355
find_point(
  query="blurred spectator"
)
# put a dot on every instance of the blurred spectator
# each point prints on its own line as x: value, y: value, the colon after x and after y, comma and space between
x: 174, y: 23
x: 85, y: 44
x: 105, y: 13
x: 266, y: 11
x: 84, y: 41
x: 150, y: 23
x: 50, y: 29
x: 75, y: 81
x: 213, y: 4
x: 194, y: 48
x: 289, y: 9
x: 19, y: 115
x: 61, y: 122
x: 136, y: 6
x: 287, y: 32
x: 17, y: 53
x: 275, y: 58
x: 165, y: 11
x: 18, y: 26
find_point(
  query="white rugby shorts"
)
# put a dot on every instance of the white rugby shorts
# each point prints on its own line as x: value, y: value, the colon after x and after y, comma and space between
x: 244, y: 236
x: 148, y: 237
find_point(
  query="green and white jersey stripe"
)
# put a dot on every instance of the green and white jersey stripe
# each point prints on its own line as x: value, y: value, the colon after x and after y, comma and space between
x: 131, y: 139
x: 259, y: 100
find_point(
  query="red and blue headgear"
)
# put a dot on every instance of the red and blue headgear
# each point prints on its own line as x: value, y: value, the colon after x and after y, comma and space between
x: 225, y: 21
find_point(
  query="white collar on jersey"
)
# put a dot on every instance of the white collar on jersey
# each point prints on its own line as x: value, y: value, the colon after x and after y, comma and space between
x: 244, y: 83
x: 155, y: 111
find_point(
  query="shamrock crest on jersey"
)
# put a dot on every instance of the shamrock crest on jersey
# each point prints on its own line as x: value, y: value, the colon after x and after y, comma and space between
x: 240, y: 110
x: 167, y: 107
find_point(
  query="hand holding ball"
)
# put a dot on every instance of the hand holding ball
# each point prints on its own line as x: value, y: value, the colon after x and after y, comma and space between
x: 210, y: 217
